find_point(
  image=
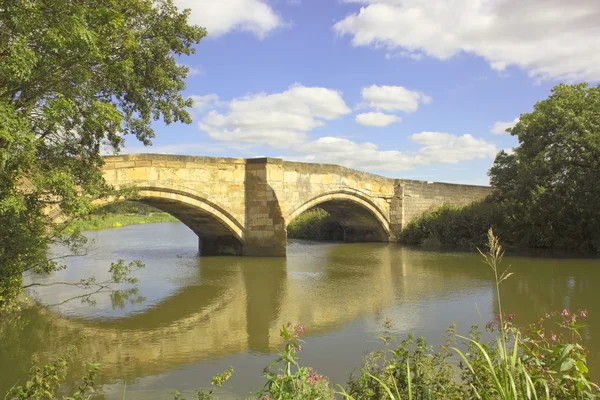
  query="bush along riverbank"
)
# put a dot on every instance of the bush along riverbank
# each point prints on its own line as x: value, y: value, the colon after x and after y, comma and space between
x: 457, y: 227
x: 543, y: 361
x: 454, y: 227
x: 121, y: 214
x: 315, y: 224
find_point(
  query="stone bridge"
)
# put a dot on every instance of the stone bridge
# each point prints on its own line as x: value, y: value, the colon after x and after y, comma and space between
x: 242, y: 206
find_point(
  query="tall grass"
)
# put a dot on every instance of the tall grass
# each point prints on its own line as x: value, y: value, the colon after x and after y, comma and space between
x: 510, y: 379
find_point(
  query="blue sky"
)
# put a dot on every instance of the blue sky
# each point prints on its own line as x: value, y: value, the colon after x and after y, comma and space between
x: 417, y: 89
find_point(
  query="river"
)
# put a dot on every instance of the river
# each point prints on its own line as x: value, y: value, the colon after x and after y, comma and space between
x: 193, y: 317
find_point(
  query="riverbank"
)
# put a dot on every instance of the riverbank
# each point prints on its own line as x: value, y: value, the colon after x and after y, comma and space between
x: 463, y: 228
x: 121, y: 214
x: 97, y: 222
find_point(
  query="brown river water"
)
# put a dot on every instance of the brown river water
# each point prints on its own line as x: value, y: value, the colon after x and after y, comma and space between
x: 193, y: 317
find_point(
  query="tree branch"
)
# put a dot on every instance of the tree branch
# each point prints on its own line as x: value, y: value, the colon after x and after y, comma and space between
x: 82, y: 296
x: 103, y: 285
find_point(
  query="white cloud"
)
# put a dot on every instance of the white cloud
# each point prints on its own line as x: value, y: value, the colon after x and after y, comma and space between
x: 222, y: 16
x: 189, y: 148
x: 500, y: 127
x: 279, y: 120
x: 441, y: 147
x: 193, y: 71
x: 282, y: 120
x: 204, y: 102
x: 551, y: 39
x: 437, y: 147
x: 335, y: 150
x: 393, y: 98
x: 376, y: 119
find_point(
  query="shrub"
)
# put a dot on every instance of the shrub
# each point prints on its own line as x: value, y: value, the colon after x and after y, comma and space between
x: 456, y: 227
x: 44, y: 383
x: 412, y: 369
x: 293, y: 382
x: 315, y: 224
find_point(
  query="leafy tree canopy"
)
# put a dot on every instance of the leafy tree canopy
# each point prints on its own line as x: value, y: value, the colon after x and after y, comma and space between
x: 76, y: 76
x: 551, y: 180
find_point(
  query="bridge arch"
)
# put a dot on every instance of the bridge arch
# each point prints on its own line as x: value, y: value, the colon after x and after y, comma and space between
x: 361, y: 219
x: 218, y: 232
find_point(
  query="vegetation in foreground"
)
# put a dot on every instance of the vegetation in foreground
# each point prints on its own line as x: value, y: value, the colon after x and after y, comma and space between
x: 543, y: 361
x: 546, y: 192
x: 315, y: 224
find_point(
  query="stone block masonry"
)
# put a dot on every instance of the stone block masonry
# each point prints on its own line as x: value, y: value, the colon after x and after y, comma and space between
x: 416, y: 198
x: 242, y: 206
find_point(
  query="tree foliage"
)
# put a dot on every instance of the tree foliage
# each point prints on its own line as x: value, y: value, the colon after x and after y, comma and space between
x: 546, y: 190
x: 550, y: 182
x: 76, y: 77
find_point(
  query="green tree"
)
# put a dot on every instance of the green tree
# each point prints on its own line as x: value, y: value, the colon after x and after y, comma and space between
x: 76, y: 76
x: 550, y: 182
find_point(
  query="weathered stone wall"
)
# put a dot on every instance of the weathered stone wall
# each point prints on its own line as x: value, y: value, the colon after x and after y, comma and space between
x: 242, y: 206
x: 414, y: 198
x: 205, y: 193
x: 219, y: 181
x: 359, y: 200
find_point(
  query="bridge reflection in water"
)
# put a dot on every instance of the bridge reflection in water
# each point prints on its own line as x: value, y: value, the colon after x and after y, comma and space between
x: 239, y: 313
x: 237, y: 305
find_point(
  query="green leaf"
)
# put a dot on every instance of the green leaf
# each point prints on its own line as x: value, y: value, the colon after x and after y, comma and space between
x: 567, y: 365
